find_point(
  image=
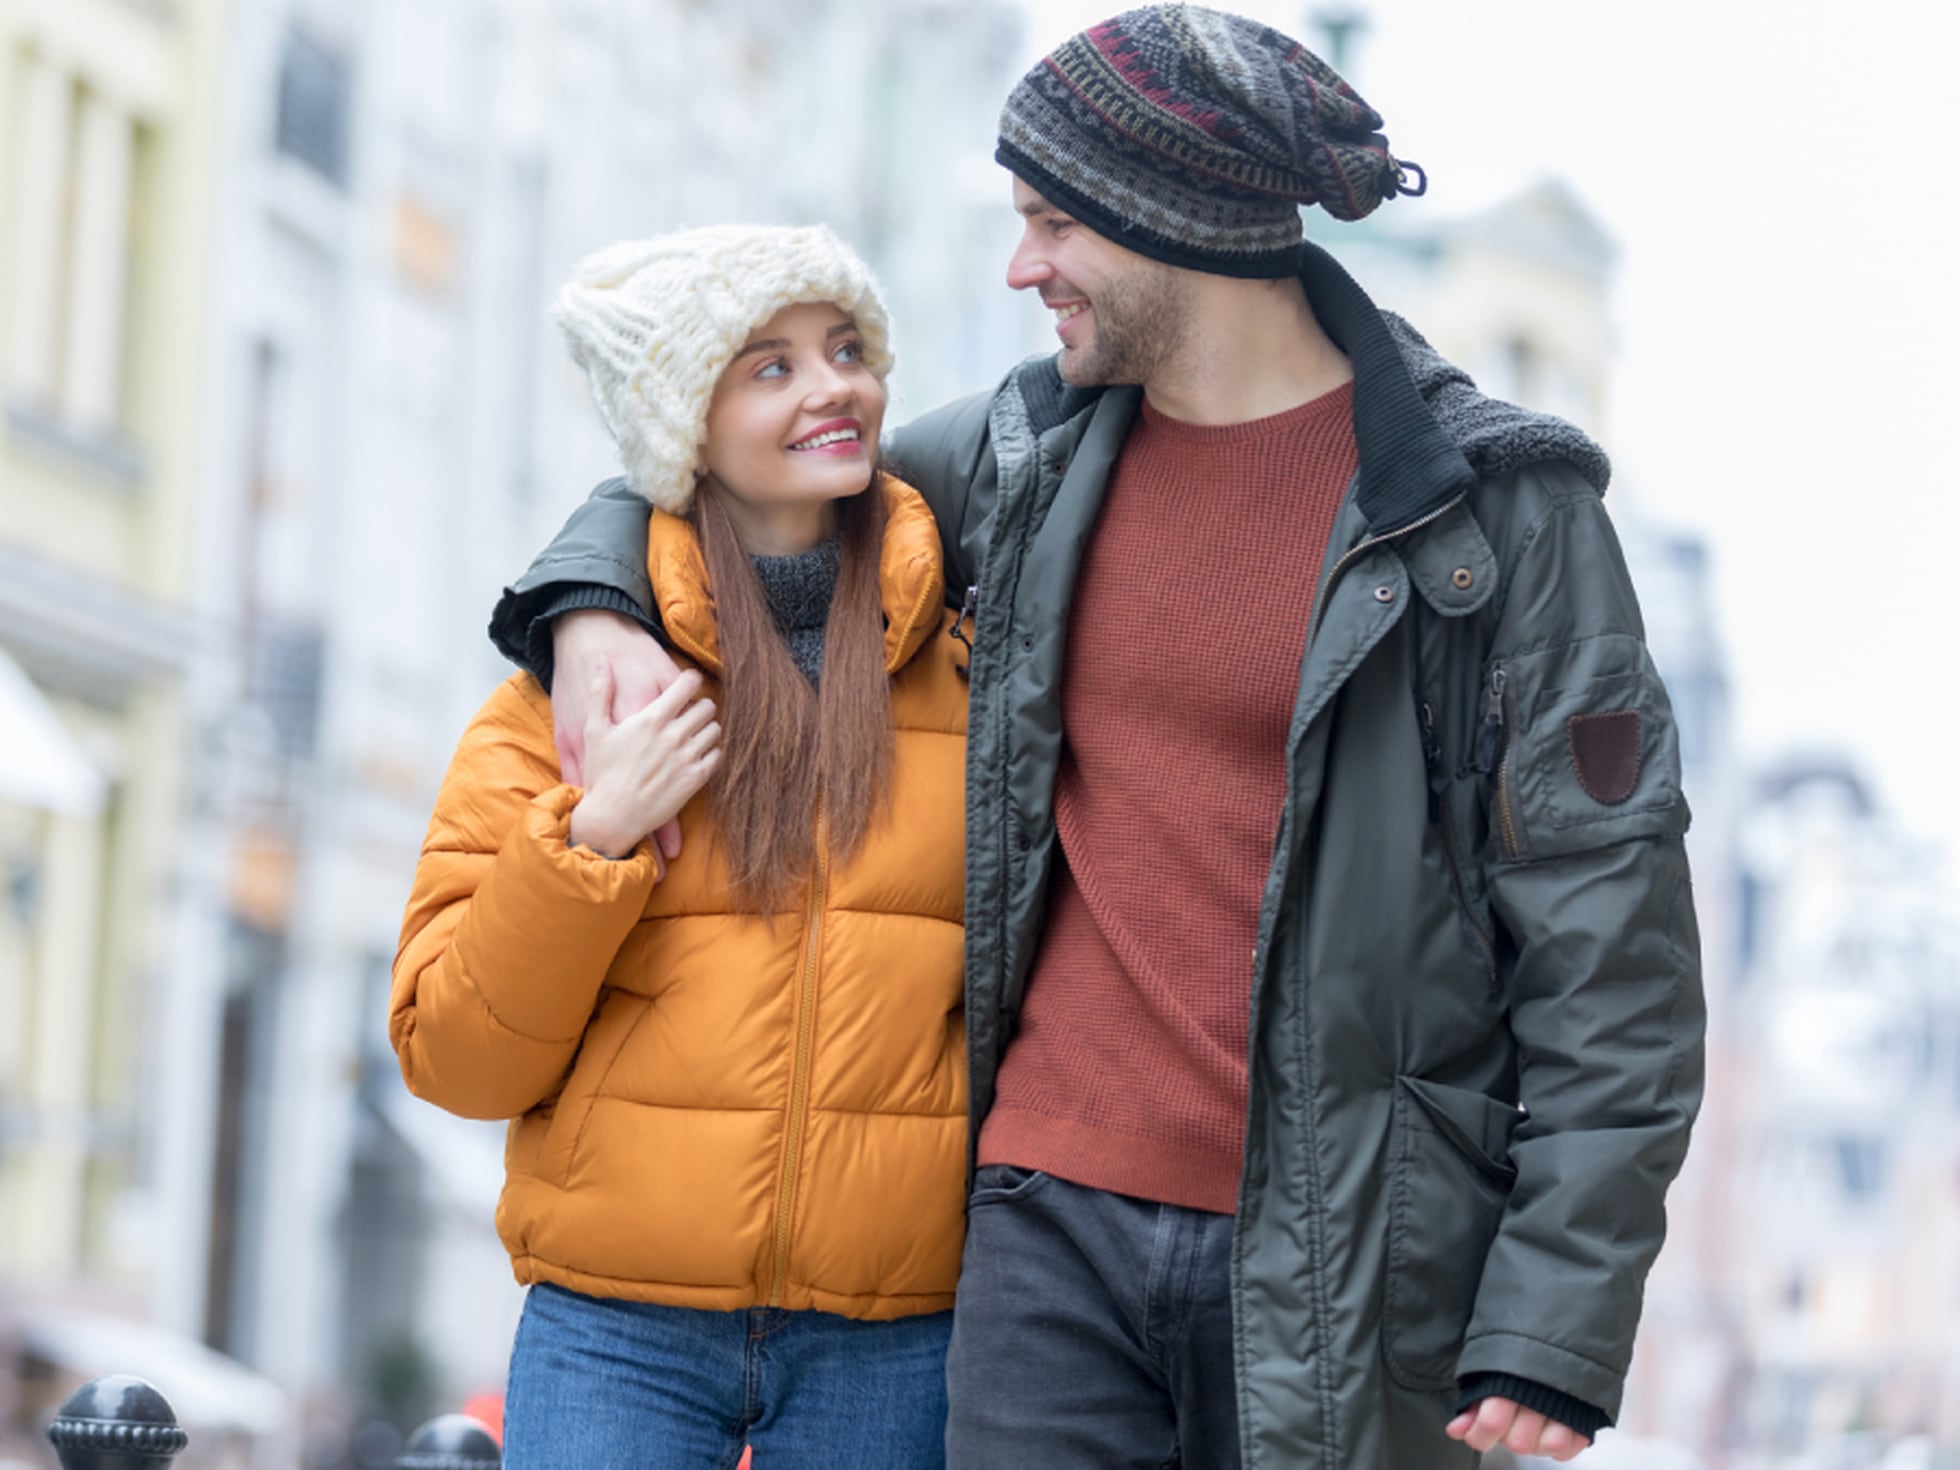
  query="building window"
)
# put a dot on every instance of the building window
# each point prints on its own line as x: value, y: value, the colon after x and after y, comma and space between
x: 315, y: 96
x: 1860, y: 1167
x: 74, y: 186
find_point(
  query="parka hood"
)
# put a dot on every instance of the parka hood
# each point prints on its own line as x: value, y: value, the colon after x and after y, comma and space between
x: 1495, y: 436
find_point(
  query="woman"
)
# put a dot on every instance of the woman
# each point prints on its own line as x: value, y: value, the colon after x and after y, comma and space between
x: 736, y: 1160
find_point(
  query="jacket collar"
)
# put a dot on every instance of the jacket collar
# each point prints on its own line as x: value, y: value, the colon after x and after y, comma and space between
x: 912, y: 583
x: 1409, y: 465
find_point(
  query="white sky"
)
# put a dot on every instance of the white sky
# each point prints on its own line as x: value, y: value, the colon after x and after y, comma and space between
x: 1779, y: 178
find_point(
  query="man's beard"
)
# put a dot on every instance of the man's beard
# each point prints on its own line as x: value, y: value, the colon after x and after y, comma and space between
x: 1139, y: 324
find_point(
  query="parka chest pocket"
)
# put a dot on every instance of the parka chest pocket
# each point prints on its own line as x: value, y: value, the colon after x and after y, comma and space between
x: 1453, y: 1175
x: 1580, y: 750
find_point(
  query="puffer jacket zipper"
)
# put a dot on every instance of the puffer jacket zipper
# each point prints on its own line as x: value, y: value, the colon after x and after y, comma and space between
x: 799, y: 1081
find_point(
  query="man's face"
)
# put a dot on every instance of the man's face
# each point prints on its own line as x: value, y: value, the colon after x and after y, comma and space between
x: 1120, y: 316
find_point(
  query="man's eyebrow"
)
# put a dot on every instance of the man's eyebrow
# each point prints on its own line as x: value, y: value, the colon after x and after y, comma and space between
x: 1037, y: 205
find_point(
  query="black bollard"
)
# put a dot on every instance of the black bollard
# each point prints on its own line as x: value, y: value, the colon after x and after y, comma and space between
x: 116, y: 1423
x: 450, y: 1442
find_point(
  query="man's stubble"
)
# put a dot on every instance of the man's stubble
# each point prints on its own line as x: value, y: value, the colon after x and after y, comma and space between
x: 1141, y: 320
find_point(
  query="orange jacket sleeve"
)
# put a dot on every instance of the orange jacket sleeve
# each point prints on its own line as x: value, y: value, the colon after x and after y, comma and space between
x: 510, y: 930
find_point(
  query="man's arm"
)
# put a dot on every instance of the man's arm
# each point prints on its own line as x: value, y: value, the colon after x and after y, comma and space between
x: 1588, y: 877
x: 597, y: 560
x: 585, y: 603
x: 947, y: 456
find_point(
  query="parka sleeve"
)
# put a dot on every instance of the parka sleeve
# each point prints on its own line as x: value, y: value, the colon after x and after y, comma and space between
x: 510, y: 930
x: 597, y: 559
x: 1588, y: 879
x: 947, y: 456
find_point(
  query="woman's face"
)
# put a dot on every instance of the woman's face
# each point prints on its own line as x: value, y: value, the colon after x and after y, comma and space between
x: 794, y: 421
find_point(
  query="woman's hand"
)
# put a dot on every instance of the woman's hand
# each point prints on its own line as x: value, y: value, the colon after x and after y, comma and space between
x: 640, y: 772
x: 585, y: 644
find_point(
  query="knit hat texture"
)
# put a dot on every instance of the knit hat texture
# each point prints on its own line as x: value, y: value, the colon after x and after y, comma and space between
x: 1193, y: 136
x: 655, y: 322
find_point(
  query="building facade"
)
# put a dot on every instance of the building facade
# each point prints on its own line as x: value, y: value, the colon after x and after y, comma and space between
x: 109, y: 123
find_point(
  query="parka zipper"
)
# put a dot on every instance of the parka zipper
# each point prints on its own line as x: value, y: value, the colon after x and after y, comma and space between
x: 1497, y: 754
x: 1432, y: 754
x: 799, y: 1078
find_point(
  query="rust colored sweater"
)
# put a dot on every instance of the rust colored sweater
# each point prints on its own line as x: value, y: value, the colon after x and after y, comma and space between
x: 1128, y: 1070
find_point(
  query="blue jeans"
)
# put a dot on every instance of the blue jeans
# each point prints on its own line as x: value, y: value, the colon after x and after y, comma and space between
x: 597, y: 1384
x: 1092, y: 1329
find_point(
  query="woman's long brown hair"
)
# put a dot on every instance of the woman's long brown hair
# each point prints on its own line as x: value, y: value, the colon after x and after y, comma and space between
x: 784, y: 744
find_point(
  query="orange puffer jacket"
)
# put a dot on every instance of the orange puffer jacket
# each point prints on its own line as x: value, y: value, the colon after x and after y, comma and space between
x: 706, y: 1111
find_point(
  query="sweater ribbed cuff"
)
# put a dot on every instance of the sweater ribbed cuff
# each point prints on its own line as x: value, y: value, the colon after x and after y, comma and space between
x: 1574, y: 1414
x: 573, y: 597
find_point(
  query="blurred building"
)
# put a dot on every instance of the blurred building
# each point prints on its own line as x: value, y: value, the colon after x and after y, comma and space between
x: 1849, y: 1192
x: 108, y: 129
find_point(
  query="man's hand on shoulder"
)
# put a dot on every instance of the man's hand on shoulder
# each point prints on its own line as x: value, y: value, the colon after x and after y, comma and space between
x: 586, y: 645
x: 1520, y: 1430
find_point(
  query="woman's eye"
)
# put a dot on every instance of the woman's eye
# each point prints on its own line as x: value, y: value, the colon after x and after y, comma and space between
x: 774, y: 368
x: 849, y: 352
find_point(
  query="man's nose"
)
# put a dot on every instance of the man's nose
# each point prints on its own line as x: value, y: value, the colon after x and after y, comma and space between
x: 1027, y: 266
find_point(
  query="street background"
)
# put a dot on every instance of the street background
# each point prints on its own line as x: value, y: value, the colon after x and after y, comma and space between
x: 280, y: 412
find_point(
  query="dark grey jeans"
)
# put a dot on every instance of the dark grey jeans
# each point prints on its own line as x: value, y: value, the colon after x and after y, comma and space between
x: 1091, y: 1329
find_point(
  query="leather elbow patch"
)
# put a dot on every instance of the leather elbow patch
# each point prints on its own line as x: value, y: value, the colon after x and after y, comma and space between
x: 1605, y: 751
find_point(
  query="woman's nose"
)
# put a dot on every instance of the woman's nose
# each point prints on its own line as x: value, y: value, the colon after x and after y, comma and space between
x: 829, y: 385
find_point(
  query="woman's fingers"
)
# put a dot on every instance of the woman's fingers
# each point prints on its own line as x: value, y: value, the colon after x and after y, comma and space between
x: 702, y: 741
x: 676, y: 696
x: 692, y: 718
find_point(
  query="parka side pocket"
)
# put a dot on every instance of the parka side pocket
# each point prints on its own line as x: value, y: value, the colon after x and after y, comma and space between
x: 611, y: 1027
x: 1581, y: 750
x: 1453, y: 1174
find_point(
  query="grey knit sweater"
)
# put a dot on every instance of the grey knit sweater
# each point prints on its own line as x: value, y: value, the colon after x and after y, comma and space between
x: 799, y: 589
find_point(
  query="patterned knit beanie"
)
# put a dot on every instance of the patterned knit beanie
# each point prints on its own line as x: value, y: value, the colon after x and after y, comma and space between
x: 1191, y: 136
x: 655, y: 322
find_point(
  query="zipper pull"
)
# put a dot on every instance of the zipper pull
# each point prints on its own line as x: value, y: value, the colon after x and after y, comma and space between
x: 969, y: 618
x: 1494, y: 720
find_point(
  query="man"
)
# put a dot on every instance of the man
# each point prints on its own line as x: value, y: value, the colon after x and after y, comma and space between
x: 1334, y: 1011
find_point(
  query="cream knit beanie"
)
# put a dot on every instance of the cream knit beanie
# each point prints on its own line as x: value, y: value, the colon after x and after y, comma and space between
x: 654, y: 323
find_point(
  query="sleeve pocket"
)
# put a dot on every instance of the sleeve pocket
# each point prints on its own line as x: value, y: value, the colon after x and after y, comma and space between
x: 1595, y: 758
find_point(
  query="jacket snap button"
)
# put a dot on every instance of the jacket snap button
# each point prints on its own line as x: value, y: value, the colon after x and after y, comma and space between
x: 1384, y: 593
x: 1461, y: 579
